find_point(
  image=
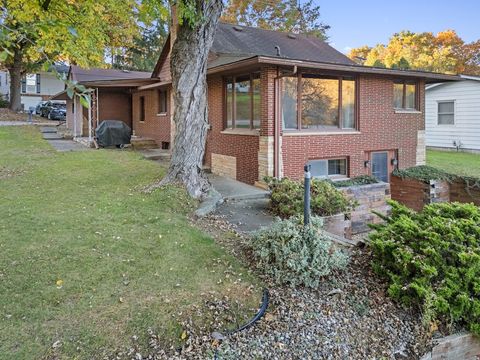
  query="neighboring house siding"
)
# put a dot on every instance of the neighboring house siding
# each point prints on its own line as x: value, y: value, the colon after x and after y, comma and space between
x: 380, y: 128
x: 49, y: 85
x: 466, y: 127
x: 156, y: 126
x: 5, y: 85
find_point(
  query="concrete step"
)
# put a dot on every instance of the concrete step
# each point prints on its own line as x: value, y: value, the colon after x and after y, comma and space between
x: 52, y: 136
x: 143, y: 143
x: 48, y: 129
x: 156, y: 154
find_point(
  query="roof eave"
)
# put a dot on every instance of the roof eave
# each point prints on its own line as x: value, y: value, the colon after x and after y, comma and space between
x: 254, y: 60
x: 428, y: 76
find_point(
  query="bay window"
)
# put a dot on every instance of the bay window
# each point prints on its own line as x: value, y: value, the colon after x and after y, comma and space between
x: 243, y: 102
x: 311, y: 102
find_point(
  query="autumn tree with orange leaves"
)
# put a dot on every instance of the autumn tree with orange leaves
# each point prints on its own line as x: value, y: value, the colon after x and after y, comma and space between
x: 445, y: 52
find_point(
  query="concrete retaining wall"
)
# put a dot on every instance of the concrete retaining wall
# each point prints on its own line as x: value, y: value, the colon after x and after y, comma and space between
x: 455, y: 347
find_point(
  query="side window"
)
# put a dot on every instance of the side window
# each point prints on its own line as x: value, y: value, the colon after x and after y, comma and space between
x: 446, y: 113
x: 162, y: 101
x: 142, y: 108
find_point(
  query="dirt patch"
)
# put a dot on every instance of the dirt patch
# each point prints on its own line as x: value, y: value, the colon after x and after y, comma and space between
x: 9, y: 115
x: 6, y: 173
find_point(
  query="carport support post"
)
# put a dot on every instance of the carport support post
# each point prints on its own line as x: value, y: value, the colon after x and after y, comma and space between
x: 306, y: 196
x: 90, y: 120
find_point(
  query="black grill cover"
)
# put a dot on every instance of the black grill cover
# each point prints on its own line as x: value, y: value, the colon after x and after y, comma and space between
x: 112, y: 133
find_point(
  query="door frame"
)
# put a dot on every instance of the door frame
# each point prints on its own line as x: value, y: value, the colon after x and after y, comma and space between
x: 391, y: 154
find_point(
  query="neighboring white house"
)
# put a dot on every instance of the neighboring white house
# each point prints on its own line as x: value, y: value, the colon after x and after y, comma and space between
x: 40, y: 86
x: 5, y: 84
x: 35, y: 87
x: 452, y: 114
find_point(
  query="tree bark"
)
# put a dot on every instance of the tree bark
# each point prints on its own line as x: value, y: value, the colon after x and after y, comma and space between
x: 16, y: 81
x: 188, y: 65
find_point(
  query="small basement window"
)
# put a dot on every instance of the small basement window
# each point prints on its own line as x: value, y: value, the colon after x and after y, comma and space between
x: 446, y: 113
x: 336, y: 168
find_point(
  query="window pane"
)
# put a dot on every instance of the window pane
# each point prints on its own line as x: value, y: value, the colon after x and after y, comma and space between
x: 337, y: 167
x: 319, y: 168
x: 446, y: 107
x: 445, y: 119
x: 243, y: 109
x: 319, y: 103
x: 256, y: 102
x: 410, y: 96
x: 162, y: 101
x: 229, y: 103
x: 289, y: 102
x: 31, y: 80
x: 348, y: 104
x: 397, y: 96
x: 142, y: 108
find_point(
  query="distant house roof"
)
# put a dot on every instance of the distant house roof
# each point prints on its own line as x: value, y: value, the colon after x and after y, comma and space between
x: 243, y: 40
x: 94, y: 74
x: 462, y: 77
x: 62, y: 68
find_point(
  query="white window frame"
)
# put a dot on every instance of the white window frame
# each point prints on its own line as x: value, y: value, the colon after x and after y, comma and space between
x: 333, y: 176
x: 454, y: 112
x: 34, y: 78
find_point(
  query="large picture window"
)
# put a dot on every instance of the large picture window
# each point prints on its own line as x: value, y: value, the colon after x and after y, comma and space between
x: 243, y: 102
x: 162, y: 101
x: 318, y: 103
x: 405, y: 95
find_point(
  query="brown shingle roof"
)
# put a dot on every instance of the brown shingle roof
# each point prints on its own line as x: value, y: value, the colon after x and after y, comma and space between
x: 95, y: 74
x: 243, y: 40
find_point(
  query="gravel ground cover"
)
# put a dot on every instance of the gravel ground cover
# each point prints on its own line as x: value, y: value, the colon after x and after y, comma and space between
x: 348, y: 317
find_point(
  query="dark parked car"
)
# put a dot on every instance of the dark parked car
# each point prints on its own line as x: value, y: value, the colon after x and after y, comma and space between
x: 54, y: 111
x: 57, y: 112
x: 39, y: 107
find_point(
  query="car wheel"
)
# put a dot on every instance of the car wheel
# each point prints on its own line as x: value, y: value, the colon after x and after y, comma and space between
x: 49, y: 117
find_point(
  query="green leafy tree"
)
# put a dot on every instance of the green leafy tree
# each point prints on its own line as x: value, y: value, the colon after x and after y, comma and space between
x: 35, y: 33
x: 282, y: 15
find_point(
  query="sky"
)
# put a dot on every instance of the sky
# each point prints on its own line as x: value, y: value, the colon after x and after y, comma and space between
x: 368, y: 22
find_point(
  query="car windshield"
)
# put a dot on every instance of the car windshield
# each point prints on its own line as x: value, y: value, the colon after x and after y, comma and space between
x: 59, y: 106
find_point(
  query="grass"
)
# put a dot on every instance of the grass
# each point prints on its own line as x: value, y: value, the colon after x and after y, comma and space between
x: 457, y: 163
x: 88, y: 260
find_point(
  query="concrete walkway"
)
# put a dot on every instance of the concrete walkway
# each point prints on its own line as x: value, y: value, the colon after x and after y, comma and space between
x: 244, y: 206
x: 231, y: 189
x: 60, y: 144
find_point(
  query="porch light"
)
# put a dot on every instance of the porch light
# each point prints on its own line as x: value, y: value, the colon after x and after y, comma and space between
x: 366, y: 163
x: 394, y: 161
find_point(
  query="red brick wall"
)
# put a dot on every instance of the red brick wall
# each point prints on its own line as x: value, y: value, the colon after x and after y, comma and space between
x: 380, y: 129
x: 243, y: 147
x: 115, y: 105
x: 155, y: 126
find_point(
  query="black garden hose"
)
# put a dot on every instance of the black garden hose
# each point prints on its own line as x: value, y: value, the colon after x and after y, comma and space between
x: 251, y: 322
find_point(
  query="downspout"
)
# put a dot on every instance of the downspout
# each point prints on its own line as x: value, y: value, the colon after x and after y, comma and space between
x: 277, y: 121
x: 98, y: 107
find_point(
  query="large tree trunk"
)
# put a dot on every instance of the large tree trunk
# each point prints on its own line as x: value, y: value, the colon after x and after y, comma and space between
x: 189, y: 74
x: 16, y: 81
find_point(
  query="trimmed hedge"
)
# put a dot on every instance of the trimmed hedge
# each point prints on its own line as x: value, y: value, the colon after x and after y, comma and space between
x: 432, y: 259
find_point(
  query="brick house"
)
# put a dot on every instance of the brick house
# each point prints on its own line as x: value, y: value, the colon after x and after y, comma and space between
x: 278, y: 101
x: 111, y: 97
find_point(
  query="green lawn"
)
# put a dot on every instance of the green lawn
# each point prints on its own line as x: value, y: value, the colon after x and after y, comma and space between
x: 87, y: 260
x: 458, y: 163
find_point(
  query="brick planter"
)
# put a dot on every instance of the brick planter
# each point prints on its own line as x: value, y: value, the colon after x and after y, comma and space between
x: 416, y: 194
x: 372, y: 197
x: 338, y: 225
x: 462, y: 192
